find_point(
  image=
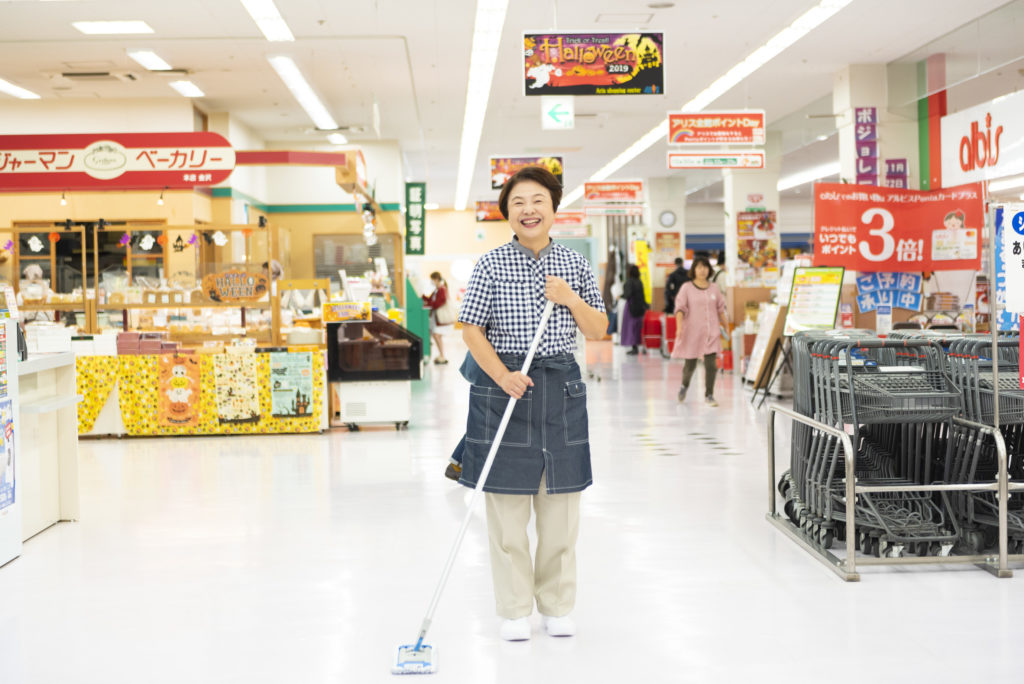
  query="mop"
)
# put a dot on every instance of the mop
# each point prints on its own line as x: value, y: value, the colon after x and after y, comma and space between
x: 421, y: 658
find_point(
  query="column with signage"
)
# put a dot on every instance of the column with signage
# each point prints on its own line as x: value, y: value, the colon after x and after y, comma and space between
x: 876, y: 146
x: 751, y: 199
x: 415, y: 218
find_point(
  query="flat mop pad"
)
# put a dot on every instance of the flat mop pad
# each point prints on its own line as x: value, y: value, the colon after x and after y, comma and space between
x: 411, y: 660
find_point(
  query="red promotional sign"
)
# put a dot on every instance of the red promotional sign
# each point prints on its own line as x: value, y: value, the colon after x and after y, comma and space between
x: 120, y: 161
x: 570, y: 218
x: 488, y: 211
x: 717, y: 128
x: 628, y: 191
x: 888, y: 229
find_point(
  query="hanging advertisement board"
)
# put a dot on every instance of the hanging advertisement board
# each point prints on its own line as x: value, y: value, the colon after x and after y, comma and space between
x: 887, y: 229
x: 716, y: 159
x: 502, y: 168
x: 614, y: 191
x: 757, y: 248
x: 122, y: 161
x: 717, y: 128
x: 488, y: 211
x: 593, y: 64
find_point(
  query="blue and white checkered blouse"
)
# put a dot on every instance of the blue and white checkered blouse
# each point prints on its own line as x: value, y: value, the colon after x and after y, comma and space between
x: 505, y: 296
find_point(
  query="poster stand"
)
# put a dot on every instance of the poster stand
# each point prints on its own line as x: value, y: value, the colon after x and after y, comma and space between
x: 781, y: 349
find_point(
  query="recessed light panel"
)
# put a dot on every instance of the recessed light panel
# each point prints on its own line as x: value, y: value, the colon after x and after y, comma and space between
x: 109, y: 28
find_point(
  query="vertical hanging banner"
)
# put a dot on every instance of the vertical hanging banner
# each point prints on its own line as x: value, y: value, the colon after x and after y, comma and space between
x: 415, y: 217
x: 866, y: 135
x: 236, y: 382
x: 178, y: 391
x: 593, y: 64
x: 887, y: 229
x: 291, y: 384
x: 1013, y: 257
x: 757, y: 249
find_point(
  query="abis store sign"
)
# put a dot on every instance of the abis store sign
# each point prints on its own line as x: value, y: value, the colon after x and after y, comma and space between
x: 123, y: 161
x: 593, y: 63
x: 984, y: 142
x: 717, y: 128
x: 889, y: 229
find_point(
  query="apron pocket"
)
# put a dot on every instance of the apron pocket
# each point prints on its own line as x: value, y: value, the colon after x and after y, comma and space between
x: 574, y: 413
x: 487, y: 406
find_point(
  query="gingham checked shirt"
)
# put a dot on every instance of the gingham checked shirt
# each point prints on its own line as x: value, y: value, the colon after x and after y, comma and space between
x: 505, y: 296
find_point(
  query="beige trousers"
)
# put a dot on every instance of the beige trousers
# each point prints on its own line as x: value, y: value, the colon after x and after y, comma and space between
x: 551, y: 579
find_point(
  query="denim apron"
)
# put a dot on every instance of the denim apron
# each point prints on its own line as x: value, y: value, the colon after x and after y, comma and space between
x: 548, y: 431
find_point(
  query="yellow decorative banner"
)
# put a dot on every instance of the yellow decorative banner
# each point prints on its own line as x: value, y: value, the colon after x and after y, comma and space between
x: 96, y: 377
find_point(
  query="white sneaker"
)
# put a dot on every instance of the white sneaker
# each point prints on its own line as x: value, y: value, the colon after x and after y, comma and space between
x: 560, y: 626
x: 516, y: 630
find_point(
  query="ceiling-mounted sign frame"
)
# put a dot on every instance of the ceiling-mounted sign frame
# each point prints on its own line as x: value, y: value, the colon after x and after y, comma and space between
x: 717, y: 159
x: 614, y: 191
x: 115, y: 161
x: 591, y: 63
x: 737, y: 127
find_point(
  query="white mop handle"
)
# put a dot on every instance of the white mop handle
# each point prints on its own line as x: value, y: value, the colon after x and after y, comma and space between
x: 548, y: 307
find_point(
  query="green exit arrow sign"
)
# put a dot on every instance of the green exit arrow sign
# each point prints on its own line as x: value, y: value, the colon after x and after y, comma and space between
x: 557, y: 113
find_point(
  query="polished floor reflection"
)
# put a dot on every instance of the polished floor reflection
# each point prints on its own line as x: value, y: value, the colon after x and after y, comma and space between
x: 308, y: 559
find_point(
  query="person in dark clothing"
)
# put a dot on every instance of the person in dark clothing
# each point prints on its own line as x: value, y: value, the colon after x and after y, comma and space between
x: 676, y: 279
x: 633, y: 316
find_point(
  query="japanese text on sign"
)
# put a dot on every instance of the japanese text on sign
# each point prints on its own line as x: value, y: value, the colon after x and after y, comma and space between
x: 415, y: 217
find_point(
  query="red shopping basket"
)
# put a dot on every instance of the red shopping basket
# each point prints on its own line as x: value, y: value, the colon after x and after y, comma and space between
x: 652, y: 330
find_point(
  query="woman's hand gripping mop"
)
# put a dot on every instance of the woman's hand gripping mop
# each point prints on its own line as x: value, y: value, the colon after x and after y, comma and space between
x: 421, y: 658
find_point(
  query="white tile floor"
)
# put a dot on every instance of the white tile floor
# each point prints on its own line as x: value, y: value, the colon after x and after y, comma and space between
x: 308, y: 559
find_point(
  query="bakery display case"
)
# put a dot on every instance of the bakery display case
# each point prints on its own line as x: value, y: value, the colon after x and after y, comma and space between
x: 49, y: 263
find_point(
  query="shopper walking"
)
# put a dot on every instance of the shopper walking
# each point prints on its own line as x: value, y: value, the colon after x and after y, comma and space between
x: 633, y: 315
x: 700, y: 311
x: 544, y: 460
x: 676, y: 279
x: 442, y: 313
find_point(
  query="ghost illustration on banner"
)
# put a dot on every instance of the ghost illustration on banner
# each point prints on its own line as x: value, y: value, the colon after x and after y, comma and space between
x: 178, y: 397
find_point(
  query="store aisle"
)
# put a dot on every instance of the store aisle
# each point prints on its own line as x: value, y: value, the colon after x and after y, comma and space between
x: 308, y: 559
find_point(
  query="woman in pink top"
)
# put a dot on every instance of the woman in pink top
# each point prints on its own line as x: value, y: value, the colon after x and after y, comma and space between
x: 700, y: 310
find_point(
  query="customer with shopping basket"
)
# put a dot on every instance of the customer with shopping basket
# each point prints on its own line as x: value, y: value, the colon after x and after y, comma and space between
x: 544, y: 458
x: 700, y: 324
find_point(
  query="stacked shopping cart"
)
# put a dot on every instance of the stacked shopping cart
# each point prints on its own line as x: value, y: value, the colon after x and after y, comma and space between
x: 915, y: 408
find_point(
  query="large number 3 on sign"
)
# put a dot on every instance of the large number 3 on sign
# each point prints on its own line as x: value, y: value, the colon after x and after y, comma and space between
x: 883, y: 231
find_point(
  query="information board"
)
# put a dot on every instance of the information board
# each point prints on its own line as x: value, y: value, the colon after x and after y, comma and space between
x: 814, y: 299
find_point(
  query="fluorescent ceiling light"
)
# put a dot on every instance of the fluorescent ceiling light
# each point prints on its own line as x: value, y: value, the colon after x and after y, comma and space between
x: 149, y: 60
x: 187, y: 88
x: 269, y: 20
x: 16, y: 91
x: 103, y: 28
x: 804, y: 24
x: 1006, y: 184
x: 337, y: 139
x: 812, y: 174
x: 293, y: 78
x: 487, y: 30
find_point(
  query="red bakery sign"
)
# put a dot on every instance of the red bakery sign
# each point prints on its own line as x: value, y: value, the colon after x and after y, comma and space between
x: 716, y: 128
x: 114, y: 160
x: 888, y: 229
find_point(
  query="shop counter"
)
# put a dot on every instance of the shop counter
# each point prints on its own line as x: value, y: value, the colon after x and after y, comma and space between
x: 172, y: 394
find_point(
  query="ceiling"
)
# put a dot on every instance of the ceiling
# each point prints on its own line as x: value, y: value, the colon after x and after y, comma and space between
x: 410, y: 57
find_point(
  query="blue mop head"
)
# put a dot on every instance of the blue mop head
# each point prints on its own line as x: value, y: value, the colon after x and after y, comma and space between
x: 413, y: 660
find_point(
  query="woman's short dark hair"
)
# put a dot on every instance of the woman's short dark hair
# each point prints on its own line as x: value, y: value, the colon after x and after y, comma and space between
x: 633, y: 271
x: 537, y: 174
x: 700, y: 260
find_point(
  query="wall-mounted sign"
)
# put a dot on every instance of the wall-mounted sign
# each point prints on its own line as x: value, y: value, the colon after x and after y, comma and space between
x: 121, y: 161
x: 717, y: 128
x: 415, y: 218
x: 718, y: 159
x: 488, y: 211
x: 621, y: 191
x: 502, y: 168
x: 335, y: 312
x: 593, y: 64
x: 235, y: 285
x: 883, y: 229
x: 983, y: 142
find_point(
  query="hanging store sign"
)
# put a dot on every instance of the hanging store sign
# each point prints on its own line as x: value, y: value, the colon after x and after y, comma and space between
x: 235, y: 285
x: 623, y: 191
x: 593, y: 64
x: 717, y: 128
x: 1013, y: 257
x: 718, y: 159
x: 984, y: 142
x: 336, y: 312
x: 570, y: 218
x: 885, y: 229
x: 415, y: 218
x: 614, y: 210
x: 488, y: 211
x: 120, y: 161
x: 502, y: 168
x: 570, y: 224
